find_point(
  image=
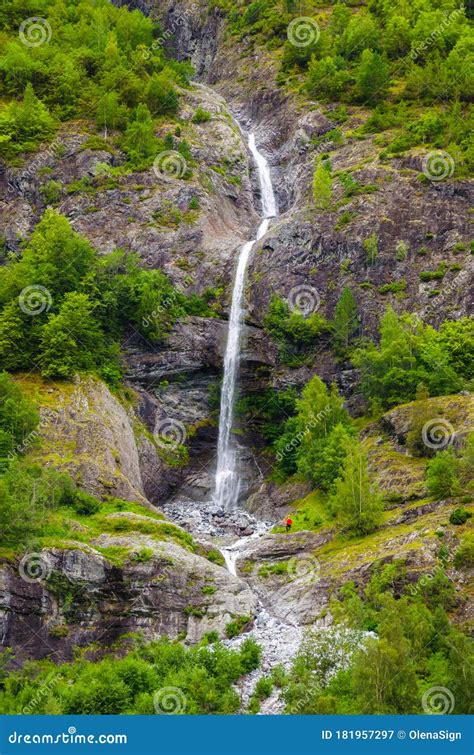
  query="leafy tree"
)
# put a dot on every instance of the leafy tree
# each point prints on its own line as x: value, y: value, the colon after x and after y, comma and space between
x: 110, y: 113
x: 327, y: 78
x: 18, y: 418
x: 346, y: 318
x: 71, y: 341
x: 314, y: 440
x: 24, y: 125
x: 56, y: 258
x: 332, y: 456
x: 372, y: 78
x: 371, y: 246
x: 140, y: 142
x: 14, y: 342
x: 409, y: 353
x: 397, y: 36
x: 361, y: 34
x: 357, y: 501
x: 161, y: 96
x: 456, y: 338
x: 442, y: 474
x: 322, y: 185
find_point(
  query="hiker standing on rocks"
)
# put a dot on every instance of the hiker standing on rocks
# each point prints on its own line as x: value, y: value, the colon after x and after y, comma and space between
x: 289, y: 522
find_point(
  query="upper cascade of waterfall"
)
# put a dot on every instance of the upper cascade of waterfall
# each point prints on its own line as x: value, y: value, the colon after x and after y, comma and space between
x: 227, y: 477
x: 269, y: 209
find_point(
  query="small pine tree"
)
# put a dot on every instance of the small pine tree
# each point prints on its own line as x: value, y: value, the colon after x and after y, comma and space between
x: 372, y: 77
x: 346, y: 318
x: 371, y: 246
x: 140, y: 142
x: 322, y: 186
x: 356, y: 501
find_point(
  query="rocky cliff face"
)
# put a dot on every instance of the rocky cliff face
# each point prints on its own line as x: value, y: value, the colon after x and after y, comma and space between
x: 81, y: 598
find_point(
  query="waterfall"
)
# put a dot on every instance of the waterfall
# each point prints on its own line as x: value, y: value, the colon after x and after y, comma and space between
x: 227, y: 482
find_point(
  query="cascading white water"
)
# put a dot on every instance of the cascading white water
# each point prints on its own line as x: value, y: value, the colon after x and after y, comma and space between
x: 227, y: 479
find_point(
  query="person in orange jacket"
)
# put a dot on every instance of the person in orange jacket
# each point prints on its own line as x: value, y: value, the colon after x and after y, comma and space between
x: 289, y: 522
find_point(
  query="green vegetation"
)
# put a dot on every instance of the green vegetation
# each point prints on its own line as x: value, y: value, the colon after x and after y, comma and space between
x: 64, y: 307
x: 322, y: 185
x: 158, y: 677
x: 346, y: 319
x: 371, y: 247
x: 293, y: 333
x: 92, y: 59
x: 415, y: 649
x: 201, y: 116
x: 237, y: 626
x: 356, y: 501
x: 18, y: 420
x: 411, y: 353
x: 410, y: 64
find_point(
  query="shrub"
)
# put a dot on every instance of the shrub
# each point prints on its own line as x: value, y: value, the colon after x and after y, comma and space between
x: 201, y: 116
x: 442, y: 474
x: 371, y: 247
x: 51, y: 192
x: 459, y: 516
x: 464, y: 556
x: 322, y: 185
x: 236, y: 626
x: 401, y: 250
x: 263, y: 688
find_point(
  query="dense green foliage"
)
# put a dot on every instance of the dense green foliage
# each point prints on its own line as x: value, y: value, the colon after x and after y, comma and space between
x: 319, y: 443
x: 18, y: 420
x: 293, y: 333
x: 411, y: 353
x: 356, y: 500
x: 412, y: 62
x: 28, y: 492
x: 64, y: 307
x: 416, y: 648
x: 95, y: 60
x: 158, y: 677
